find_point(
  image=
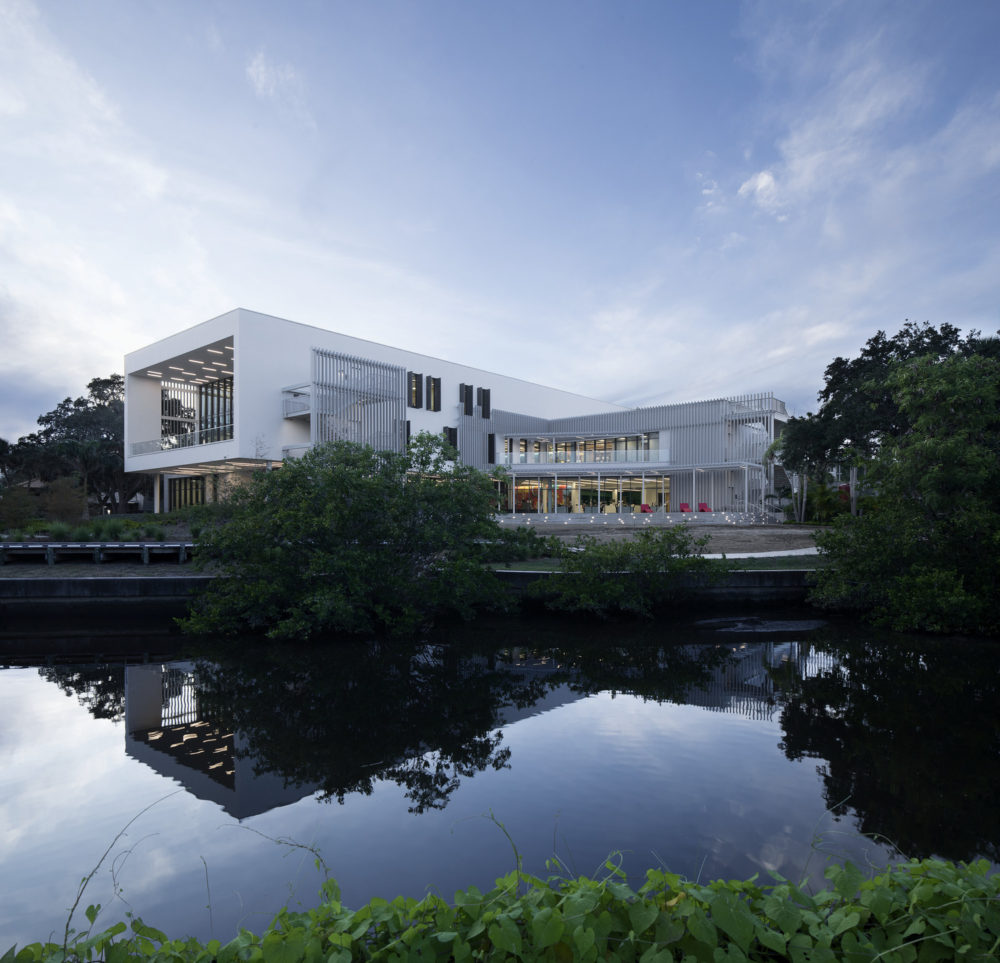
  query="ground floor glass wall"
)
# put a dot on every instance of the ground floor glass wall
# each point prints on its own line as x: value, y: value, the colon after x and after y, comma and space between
x: 607, y: 494
x: 684, y: 490
x: 183, y: 492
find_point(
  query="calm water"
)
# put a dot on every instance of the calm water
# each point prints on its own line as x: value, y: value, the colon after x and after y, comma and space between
x: 720, y: 748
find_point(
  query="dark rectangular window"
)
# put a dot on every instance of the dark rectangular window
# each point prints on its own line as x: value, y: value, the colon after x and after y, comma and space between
x: 407, y: 430
x: 415, y: 389
x: 215, y: 411
x: 451, y: 436
x: 433, y: 399
x: 186, y: 491
x: 484, y: 401
x: 491, y: 449
x: 465, y: 398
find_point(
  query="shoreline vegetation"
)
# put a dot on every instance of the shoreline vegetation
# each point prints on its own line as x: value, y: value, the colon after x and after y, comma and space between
x: 913, y: 911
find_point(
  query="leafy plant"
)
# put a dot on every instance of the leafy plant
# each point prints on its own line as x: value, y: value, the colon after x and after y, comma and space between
x: 919, y: 910
x: 17, y: 506
x: 515, y: 544
x: 349, y: 539
x: 629, y: 577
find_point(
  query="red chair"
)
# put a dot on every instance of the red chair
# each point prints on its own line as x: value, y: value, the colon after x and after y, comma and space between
x: 645, y: 509
x: 703, y: 507
x: 685, y: 507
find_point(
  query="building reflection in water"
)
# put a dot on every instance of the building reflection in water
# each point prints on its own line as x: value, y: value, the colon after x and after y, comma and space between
x: 167, y: 729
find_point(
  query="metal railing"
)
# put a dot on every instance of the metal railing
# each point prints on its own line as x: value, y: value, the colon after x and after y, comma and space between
x: 296, y: 400
x: 206, y: 436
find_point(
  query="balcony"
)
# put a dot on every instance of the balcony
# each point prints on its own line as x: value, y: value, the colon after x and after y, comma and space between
x: 296, y: 401
x: 188, y: 439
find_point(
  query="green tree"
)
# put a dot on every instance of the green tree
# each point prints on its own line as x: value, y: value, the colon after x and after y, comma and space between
x: 349, y: 539
x: 82, y: 437
x: 17, y: 507
x: 927, y: 555
x: 858, y: 409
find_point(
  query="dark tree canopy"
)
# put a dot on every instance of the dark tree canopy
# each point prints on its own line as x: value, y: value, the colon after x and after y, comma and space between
x: 858, y: 409
x: 81, y: 437
x: 897, y: 742
x: 926, y: 555
x: 349, y: 539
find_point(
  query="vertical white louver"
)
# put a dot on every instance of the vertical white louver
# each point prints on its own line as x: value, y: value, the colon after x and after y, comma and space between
x: 359, y: 400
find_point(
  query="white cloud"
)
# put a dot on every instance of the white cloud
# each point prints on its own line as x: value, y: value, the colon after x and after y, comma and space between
x: 762, y: 189
x: 280, y: 84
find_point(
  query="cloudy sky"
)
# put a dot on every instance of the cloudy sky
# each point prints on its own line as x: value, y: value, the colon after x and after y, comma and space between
x: 640, y: 200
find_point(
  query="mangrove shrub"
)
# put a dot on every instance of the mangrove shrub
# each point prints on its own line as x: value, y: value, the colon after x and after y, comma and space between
x: 349, y: 539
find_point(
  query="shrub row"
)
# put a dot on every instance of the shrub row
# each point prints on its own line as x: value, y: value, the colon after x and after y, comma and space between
x: 917, y: 911
x: 105, y: 527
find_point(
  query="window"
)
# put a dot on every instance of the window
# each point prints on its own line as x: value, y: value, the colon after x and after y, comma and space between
x: 465, y: 398
x: 183, y: 492
x: 415, y: 389
x: 451, y: 437
x: 178, y: 410
x: 433, y: 399
x: 491, y: 449
x: 407, y: 431
x: 483, y: 400
x: 215, y: 411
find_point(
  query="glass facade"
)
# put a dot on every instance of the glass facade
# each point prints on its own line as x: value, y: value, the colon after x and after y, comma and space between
x: 576, y: 451
x: 215, y: 410
x: 186, y: 491
x: 195, y: 414
x: 552, y: 495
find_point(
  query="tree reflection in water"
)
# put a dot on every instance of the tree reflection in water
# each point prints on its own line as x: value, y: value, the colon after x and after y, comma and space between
x: 425, y: 717
x: 909, y: 731
x: 98, y: 687
x: 906, y: 730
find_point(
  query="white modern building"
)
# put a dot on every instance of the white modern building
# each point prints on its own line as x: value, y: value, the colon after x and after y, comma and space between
x: 246, y: 390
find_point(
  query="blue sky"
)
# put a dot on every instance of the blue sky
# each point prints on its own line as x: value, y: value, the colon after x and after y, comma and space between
x: 641, y: 201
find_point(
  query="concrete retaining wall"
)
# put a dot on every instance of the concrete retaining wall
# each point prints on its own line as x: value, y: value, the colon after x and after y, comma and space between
x: 782, y: 585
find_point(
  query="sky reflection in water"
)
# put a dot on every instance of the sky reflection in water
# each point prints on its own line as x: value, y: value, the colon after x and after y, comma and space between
x: 708, y: 762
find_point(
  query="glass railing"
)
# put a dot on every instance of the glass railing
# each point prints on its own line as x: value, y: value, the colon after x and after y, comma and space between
x: 584, y: 457
x: 186, y: 439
